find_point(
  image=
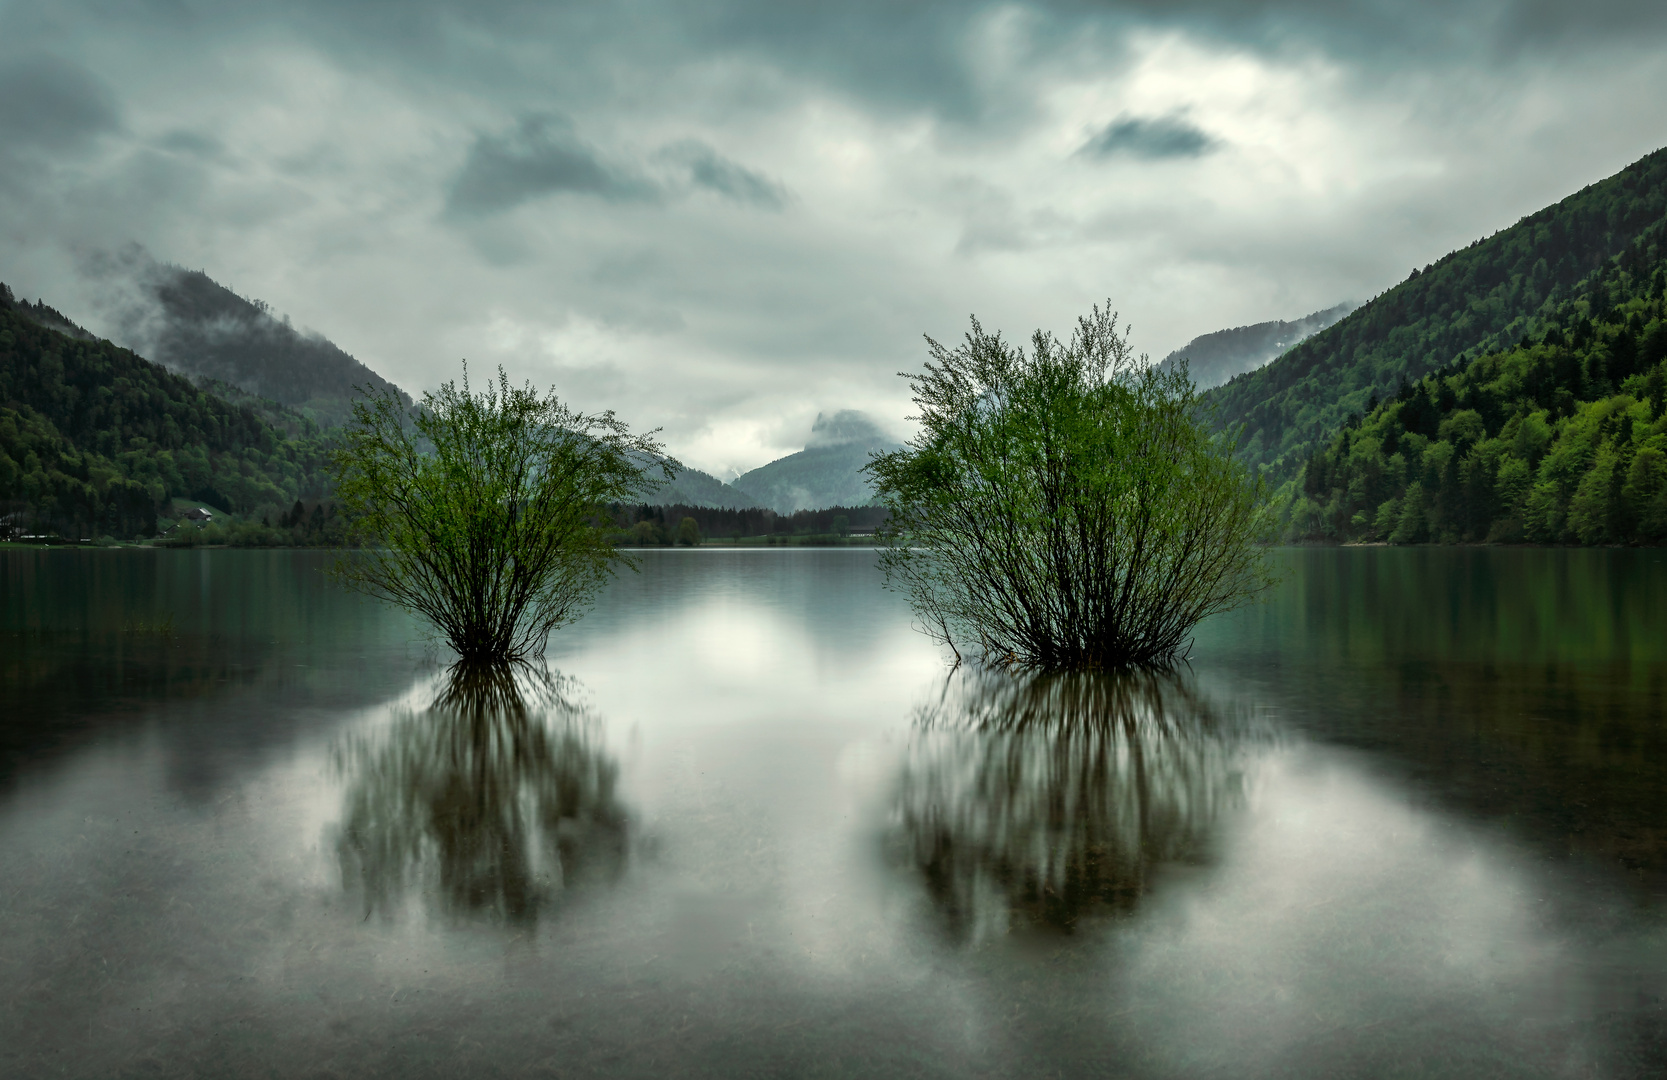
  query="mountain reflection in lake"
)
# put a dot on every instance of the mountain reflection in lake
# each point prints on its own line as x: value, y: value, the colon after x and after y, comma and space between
x: 1052, y: 798
x: 490, y: 802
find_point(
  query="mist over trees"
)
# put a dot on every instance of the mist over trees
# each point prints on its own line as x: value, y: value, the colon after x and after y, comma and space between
x: 691, y: 487
x: 1214, y: 358
x: 188, y: 322
x: 827, y: 472
x: 93, y: 438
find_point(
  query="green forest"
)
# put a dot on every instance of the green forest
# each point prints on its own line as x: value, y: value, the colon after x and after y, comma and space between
x: 659, y: 526
x: 95, y: 440
x: 1561, y: 439
x: 1479, y: 300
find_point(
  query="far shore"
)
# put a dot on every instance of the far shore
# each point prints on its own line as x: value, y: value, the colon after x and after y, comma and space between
x: 777, y: 541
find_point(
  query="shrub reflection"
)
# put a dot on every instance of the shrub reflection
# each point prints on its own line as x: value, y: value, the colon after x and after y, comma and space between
x: 1044, y: 800
x: 491, y: 802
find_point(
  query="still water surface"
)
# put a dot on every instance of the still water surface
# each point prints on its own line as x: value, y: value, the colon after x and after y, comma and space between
x: 1407, y: 818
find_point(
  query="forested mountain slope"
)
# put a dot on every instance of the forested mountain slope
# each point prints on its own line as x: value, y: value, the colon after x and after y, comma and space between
x: 812, y: 479
x: 1474, y: 301
x: 93, y: 437
x: 827, y: 472
x: 1214, y: 358
x: 691, y: 487
x: 1561, y: 438
x: 187, y: 321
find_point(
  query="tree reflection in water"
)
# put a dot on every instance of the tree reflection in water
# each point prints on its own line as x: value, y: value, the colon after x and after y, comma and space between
x: 492, y: 802
x: 1048, y: 799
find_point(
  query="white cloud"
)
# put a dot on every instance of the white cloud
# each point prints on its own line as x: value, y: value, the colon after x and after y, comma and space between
x: 808, y: 209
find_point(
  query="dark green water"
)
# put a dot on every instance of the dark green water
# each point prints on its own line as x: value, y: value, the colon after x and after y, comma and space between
x: 1407, y: 818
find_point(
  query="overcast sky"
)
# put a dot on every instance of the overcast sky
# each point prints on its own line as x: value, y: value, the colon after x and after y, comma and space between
x: 723, y: 218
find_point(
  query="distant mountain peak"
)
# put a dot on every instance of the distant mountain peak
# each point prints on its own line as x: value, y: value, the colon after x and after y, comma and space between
x: 691, y: 487
x: 847, y: 427
x: 189, y: 322
x: 1214, y: 358
x: 827, y: 472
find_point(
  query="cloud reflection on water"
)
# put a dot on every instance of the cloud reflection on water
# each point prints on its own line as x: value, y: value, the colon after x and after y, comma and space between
x: 491, y: 802
x: 1045, y: 800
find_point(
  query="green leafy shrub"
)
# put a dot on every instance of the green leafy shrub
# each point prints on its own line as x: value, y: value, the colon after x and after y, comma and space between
x: 1064, y: 508
x: 483, y: 512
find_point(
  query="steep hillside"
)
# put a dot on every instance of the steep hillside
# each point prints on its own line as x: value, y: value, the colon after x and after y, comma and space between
x: 1558, y: 439
x: 1212, y: 359
x: 281, y: 417
x: 94, y: 437
x: 1474, y: 301
x: 188, y: 322
x: 691, y: 487
x: 827, y: 472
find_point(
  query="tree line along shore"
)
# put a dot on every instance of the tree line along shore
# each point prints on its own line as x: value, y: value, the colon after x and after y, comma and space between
x: 319, y: 523
x: 1509, y: 392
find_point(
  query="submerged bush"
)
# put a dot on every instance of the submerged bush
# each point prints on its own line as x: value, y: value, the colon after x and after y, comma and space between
x: 483, y: 512
x: 1065, y: 508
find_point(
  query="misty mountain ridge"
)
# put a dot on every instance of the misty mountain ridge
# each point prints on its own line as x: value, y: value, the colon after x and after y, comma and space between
x: 190, y: 323
x: 691, y: 487
x: 277, y: 415
x: 42, y: 314
x: 827, y: 472
x: 94, y: 439
x: 1214, y: 358
x: 235, y: 349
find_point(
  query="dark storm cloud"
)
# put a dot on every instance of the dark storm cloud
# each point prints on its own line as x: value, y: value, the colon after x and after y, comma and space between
x: 926, y: 54
x: 897, y: 55
x: 53, y: 104
x: 1366, y: 31
x: 541, y: 156
x: 1536, y: 21
x: 901, y: 55
x: 892, y: 56
x: 710, y: 170
x: 1150, y: 139
x: 781, y: 197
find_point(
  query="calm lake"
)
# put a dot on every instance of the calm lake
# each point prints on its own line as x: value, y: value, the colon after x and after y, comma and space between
x: 1406, y: 818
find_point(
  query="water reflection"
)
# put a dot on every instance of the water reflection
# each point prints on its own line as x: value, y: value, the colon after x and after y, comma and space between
x: 1050, y: 799
x: 490, y: 803
x: 1522, y: 686
x: 226, y: 658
